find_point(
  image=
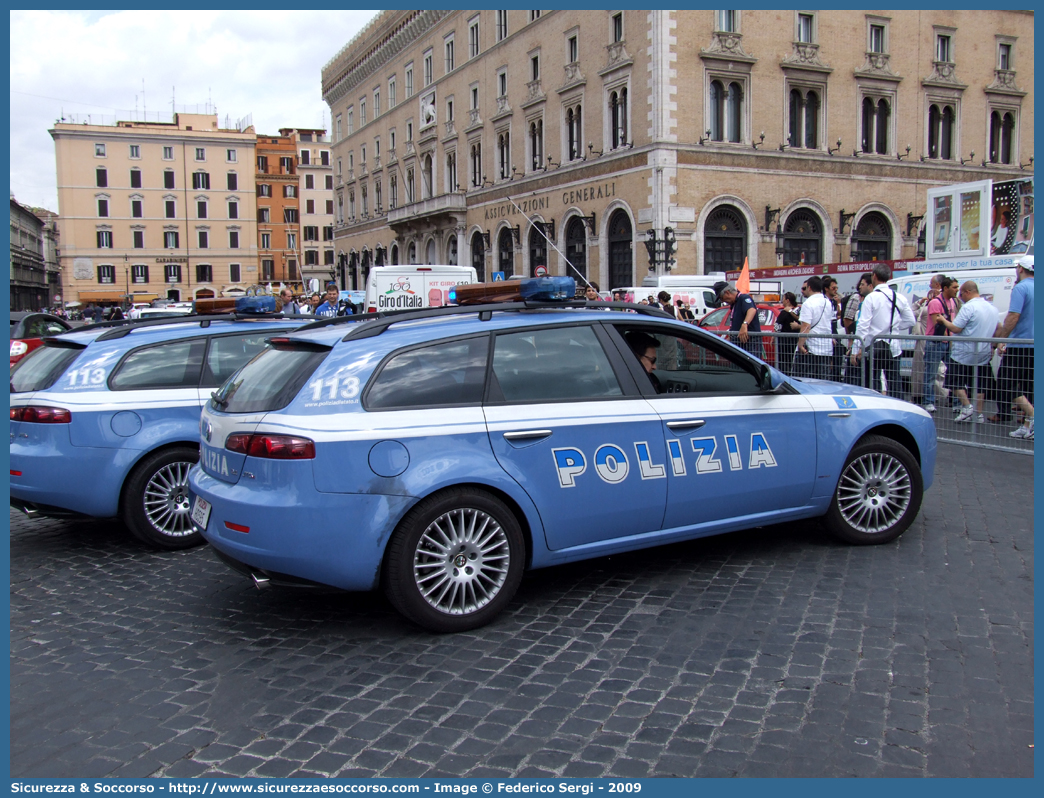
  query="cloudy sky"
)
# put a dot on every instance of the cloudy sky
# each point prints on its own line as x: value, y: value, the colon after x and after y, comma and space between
x: 261, y: 63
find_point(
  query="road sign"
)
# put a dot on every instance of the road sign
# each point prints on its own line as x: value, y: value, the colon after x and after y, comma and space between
x: 541, y: 271
x: 498, y: 277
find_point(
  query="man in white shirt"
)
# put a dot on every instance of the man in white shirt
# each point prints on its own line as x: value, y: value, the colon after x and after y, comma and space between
x: 883, y: 314
x: 969, y: 364
x: 815, y: 316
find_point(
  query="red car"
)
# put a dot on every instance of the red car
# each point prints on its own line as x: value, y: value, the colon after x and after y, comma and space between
x: 28, y: 330
x: 717, y: 321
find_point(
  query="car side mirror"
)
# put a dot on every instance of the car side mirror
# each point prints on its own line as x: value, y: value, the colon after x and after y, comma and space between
x: 771, y: 380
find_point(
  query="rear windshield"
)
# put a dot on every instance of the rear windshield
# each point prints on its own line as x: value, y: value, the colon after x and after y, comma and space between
x: 270, y: 381
x: 42, y: 367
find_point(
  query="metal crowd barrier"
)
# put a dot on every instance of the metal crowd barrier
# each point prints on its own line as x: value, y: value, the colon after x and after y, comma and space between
x: 1002, y: 414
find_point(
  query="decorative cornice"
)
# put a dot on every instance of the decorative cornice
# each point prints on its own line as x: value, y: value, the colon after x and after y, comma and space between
x: 345, y: 71
x: 573, y: 78
x: 617, y: 58
x: 805, y: 56
x: 944, y: 76
x: 877, y: 67
x: 727, y: 45
x: 1004, y: 83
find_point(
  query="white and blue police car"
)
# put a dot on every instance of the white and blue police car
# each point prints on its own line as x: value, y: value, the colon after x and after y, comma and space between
x: 105, y: 419
x: 439, y: 453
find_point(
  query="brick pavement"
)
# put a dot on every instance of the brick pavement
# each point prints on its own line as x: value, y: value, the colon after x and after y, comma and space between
x: 773, y: 652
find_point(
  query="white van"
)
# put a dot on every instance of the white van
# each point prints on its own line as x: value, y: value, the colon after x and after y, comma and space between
x: 697, y: 290
x: 412, y: 287
x: 994, y: 285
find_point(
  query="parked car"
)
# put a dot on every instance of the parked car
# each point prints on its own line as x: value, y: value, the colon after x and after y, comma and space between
x: 717, y: 321
x: 105, y: 419
x: 439, y: 453
x: 28, y: 329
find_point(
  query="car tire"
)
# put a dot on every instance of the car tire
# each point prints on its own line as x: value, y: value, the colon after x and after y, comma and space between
x: 155, y: 503
x: 454, y: 561
x: 878, y: 494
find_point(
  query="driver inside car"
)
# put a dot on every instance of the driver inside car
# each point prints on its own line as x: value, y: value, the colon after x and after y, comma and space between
x: 644, y: 347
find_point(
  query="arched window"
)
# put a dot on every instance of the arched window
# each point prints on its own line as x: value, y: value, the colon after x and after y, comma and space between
x: 872, y: 239
x: 804, y: 119
x: 394, y: 254
x: 621, y: 250
x: 869, y: 120
x: 429, y: 252
x: 802, y: 238
x: 478, y: 256
x: 504, y: 155
x: 734, y: 112
x: 411, y: 252
x: 576, y: 248
x: 536, y: 144
x: 451, y: 172
x: 618, y: 117
x: 811, y: 120
x: 716, y: 121
x: 451, y: 251
x: 1002, y: 130
x: 537, y: 252
x: 575, y: 132
x: 506, y: 252
x: 940, y: 132
x: 427, y: 176
x: 884, y: 113
x: 724, y: 240
x: 476, y: 165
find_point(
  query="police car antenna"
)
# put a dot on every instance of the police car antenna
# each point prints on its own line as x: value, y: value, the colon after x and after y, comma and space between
x: 549, y: 241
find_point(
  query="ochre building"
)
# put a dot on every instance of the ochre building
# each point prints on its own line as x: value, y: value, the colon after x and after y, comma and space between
x: 517, y: 140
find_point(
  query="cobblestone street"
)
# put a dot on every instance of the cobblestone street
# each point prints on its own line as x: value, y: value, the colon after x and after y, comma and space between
x: 772, y: 652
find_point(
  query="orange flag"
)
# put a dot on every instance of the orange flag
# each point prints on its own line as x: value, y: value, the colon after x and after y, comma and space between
x: 743, y: 283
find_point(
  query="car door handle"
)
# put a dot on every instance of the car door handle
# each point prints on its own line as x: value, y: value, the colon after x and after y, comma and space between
x: 838, y: 415
x: 527, y: 435
x: 693, y: 424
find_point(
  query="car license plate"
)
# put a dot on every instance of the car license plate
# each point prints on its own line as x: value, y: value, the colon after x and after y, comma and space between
x: 200, y: 512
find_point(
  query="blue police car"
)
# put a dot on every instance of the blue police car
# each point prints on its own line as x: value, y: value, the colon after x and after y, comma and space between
x: 440, y: 453
x: 105, y: 419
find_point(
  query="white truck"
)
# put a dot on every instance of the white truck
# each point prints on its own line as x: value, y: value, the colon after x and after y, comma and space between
x: 411, y: 287
x: 697, y: 290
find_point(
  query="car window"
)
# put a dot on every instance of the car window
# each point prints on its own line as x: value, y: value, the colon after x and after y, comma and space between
x: 272, y: 379
x: 40, y: 327
x: 716, y: 317
x: 229, y: 353
x: 686, y: 364
x: 42, y: 367
x: 176, y: 364
x: 449, y: 373
x: 560, y: 364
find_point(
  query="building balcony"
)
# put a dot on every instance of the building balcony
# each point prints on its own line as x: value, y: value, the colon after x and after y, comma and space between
x: 424, y: 209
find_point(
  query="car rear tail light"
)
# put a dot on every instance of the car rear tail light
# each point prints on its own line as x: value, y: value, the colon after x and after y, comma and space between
x: 18, y: 348
x: 271, y: 447
x: 41, y: 415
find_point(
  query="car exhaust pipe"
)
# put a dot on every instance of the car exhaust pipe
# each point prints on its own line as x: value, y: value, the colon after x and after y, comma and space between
x: 30, y: 512
x: 261, y: 582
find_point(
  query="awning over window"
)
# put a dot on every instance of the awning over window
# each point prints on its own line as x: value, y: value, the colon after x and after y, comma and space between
x: 101, y: 296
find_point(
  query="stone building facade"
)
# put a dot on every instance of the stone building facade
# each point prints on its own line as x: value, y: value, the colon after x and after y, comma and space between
x: 153, y: 210
x: 315, y: 177
x: 519, y: 140
x: 30, y: 289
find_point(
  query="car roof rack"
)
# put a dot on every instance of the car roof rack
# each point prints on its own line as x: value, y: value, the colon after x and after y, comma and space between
x: 123, y: 327
x: 373, y: 324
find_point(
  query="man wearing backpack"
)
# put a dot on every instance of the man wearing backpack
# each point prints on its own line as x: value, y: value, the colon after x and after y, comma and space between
x: 884, y: 314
